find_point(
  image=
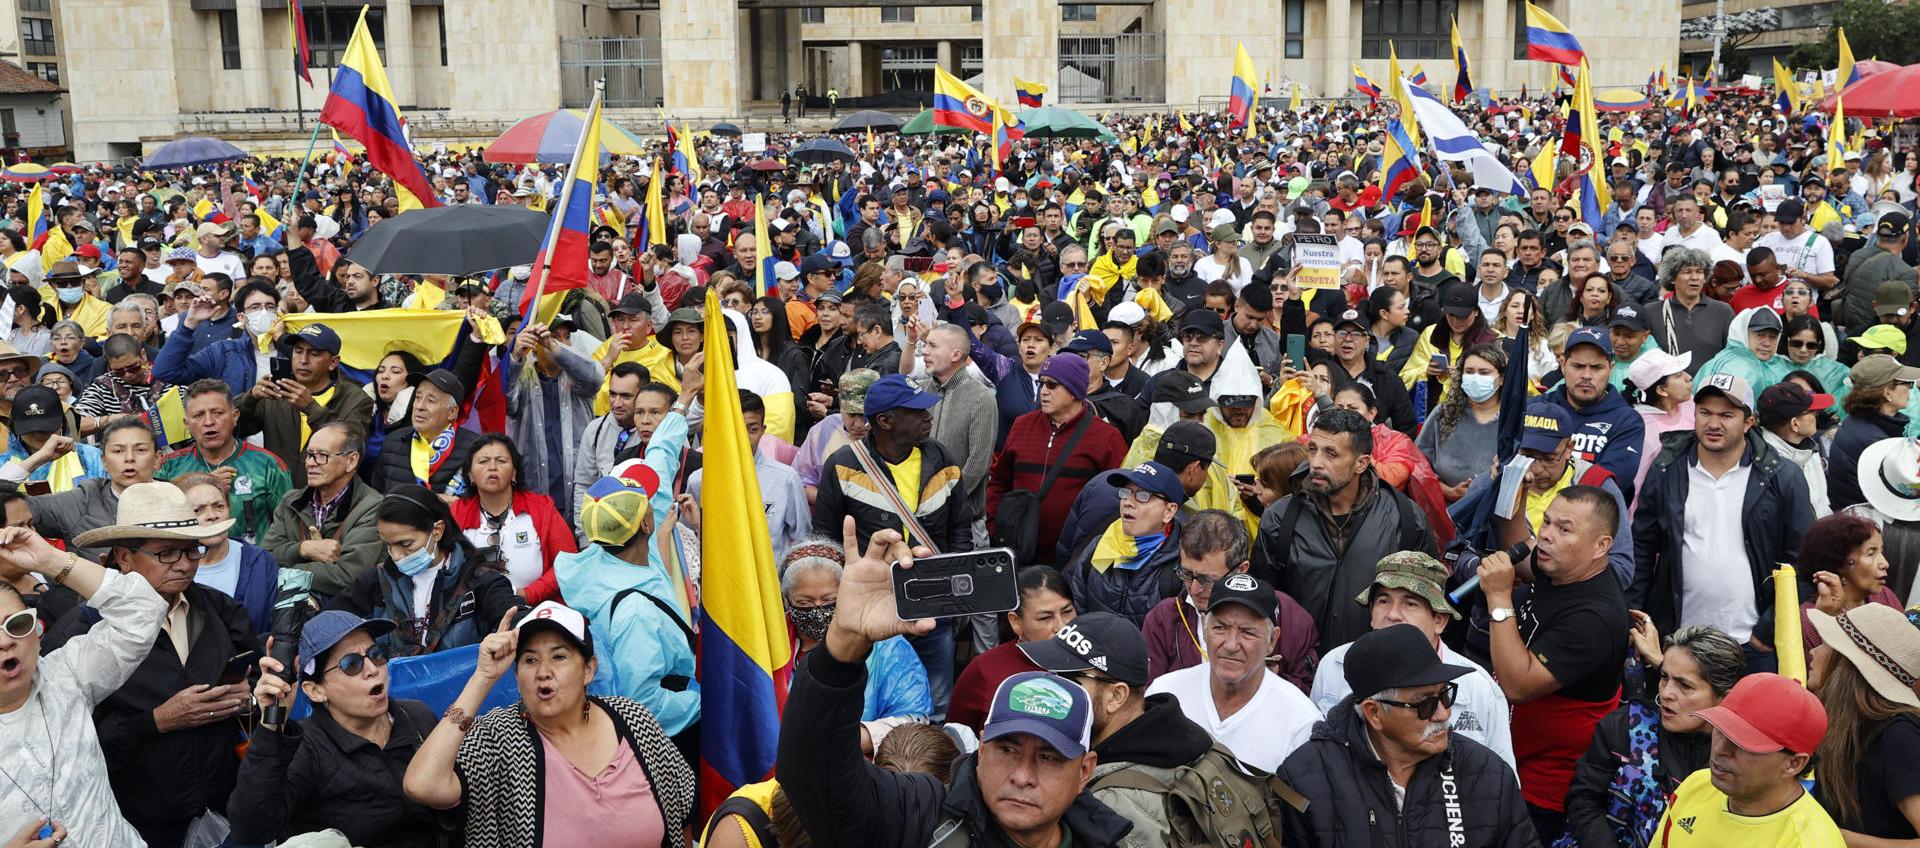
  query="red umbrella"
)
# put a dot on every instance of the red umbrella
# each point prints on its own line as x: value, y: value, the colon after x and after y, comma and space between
x: 767, y: 165
x: 1881, y: 93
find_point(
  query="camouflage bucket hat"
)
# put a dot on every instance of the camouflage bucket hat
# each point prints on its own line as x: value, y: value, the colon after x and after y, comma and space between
x: 853, y: 389
x: 1414, y: 572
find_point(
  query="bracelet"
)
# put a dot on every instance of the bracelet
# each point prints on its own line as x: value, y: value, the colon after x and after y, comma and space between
x: 459, y: 719
x: 61, y: 578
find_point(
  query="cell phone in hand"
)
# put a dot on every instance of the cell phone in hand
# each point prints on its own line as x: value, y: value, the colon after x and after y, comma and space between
x: 280, y: 368
x: 953, y: 585
x: 1297, y: 349
x: 238, y: 667
x: 1243, y: 478
x: 1439, y: 362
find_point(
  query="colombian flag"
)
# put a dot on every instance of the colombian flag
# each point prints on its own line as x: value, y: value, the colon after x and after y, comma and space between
x: 1582, y: 141
x: 361, y: 104
x: 1365, y: 84
x: 1462, y: 80
x: 1419, y: 76
x: 956, y: 104
x: 1786, y: 90
x: 1030, y: 94
x: 1549, y: 40
x: 746, y: 654
x: 1400, y: 95
x: 36, y: 214
x: 1399, y: 160
x: 1848, y: 74
x: 302, y: 56
x: 1241, y: 96
x: 563, y: 266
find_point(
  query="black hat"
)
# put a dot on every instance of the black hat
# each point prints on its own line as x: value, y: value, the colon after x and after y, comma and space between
x: 1783, y: 402
x: 1257, y: 295
x: 443, y: 380
x: 1790, y: 209
x: 1246, y: 590
x: 1350, y: 316
x: 1096, y: 641
x: 1189, y: 439
x: 1181, y: 389
x: 1204, y: 320
x: 1087, y: 341
x: 819, y: 263
x: 634, y: 303
x: 1397, y: 657
x: 1057, y: 317
x: 976, y: 315
x: 1892, y: 225
x: 37, y: 409
x: 1629, y: 317
x: 1459, y: 301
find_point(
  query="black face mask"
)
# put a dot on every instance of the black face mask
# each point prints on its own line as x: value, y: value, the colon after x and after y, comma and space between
x: 811, y: 622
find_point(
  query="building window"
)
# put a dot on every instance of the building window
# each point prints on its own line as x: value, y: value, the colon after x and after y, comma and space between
x: 1079, y: 12
x: 329, y: 30
x: 36, y: 36
x: 813, y: 14
x: 9, y: 130
x: 896, y: 14
x: 36, y: 5
x: 230, y: 40
x: 45, y: 70
x: 976, y: 13
x: 971, y: 58
x: 1417, y: 28
x: 1296, y: 29
x: 908, y: 67
x: 440, y: 20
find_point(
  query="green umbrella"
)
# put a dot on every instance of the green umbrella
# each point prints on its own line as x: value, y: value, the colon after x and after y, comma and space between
x: 922, y: 124
x: 1055, y: 122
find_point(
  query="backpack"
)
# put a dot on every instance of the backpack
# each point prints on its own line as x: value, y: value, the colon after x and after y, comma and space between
x: 602, y: 627
x: 1016, y: 523
x: 1215, y: 800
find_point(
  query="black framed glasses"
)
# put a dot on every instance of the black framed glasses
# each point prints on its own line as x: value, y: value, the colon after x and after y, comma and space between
x: 1426, y: 707
x: 21, y: 624
x: 354, y: 663
x: 1189, y: 577
x: 174, y: 555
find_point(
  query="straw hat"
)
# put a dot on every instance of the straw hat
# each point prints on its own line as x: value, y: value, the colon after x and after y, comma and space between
x: 1881, y: 643
x: 152, y: 511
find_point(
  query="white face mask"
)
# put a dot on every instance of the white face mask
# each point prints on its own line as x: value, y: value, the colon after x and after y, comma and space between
x: 259, y: 321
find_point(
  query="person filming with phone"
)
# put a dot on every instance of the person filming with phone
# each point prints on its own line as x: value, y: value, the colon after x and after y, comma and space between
x: 169, y: 732
x: 1025, y: 786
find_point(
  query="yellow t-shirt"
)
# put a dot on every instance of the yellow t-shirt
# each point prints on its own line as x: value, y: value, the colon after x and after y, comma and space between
x: 321, y: 399
x: 906, y: 479
x: 1537, y: 501
x: 1699, y: 817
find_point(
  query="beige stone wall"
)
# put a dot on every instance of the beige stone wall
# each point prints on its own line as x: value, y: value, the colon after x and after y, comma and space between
x: 1025, y: 42
x: 120, y: 94
x: 700, y: 54
x: 505, y: 72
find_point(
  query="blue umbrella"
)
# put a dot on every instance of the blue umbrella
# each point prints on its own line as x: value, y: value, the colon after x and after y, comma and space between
x: 190, y: 151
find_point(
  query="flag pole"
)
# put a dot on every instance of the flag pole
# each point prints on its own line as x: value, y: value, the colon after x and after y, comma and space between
x: 560, y: 213
x: 300, y: 179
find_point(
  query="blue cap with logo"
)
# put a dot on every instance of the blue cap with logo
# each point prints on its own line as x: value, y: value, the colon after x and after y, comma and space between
x: 319, y: 336
x: 1546, y: 426
x: 1151, y: 477
x: 1596, y: 336
x: 895, y: 391
x: 1045, y: 706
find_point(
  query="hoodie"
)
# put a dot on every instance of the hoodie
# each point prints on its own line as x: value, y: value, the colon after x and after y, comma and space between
x: 1738, y: 359
x: 1162, y: 737
x: 1812, y: 464
x: 763, y: 378
x: 1607, y: 433
x: 648, y: 645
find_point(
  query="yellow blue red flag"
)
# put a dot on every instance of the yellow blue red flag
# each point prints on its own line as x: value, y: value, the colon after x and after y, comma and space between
x: 1242, y: 95
x: 361, y: 104
x: 1549, y: 40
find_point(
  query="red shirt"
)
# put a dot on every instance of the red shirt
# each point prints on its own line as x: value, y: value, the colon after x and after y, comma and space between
x: 1752, y: 297
x: 973, y: 690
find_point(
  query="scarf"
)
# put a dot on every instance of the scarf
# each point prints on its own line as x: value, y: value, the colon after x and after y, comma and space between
x: 1117, y: 549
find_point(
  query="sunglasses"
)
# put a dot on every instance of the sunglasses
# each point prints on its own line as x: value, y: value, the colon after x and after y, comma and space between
x: 1803, y: 344
x: 1426, y: 707
x: 21, y: 624
x: 353, y: 664
x: 170, y: 557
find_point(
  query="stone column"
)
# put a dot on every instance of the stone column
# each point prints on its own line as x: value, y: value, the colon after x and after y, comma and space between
x: 1019, y: 38
x: 253, y: 53
x: 856, y: 70
x: 692, y: 34
x: 1494, y: 63
x: 399, y: 49
x: 1341, y: 17
x: 943, y: 57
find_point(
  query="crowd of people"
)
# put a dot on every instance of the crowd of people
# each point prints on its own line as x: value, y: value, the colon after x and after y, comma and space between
x: 1473, y: 545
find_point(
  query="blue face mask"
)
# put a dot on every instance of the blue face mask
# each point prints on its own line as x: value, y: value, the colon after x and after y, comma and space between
x: 1478, y: 387
x: 419, y: 561
x: 70, y: 294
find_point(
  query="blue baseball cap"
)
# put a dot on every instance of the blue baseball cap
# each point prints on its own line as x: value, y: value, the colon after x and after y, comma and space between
x: 1151, y: 477
x: 1547, y: 425
x: 1045, y: 706
x: 1089, y: 341
x: 325, y: 630
x: 895, y: 391
x: 1596, y: 336
x: 318, y: 336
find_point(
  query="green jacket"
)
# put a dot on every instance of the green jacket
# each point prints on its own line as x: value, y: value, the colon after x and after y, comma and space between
x: 279, y: 425
x: 260, y: 479
x: 351, y: 524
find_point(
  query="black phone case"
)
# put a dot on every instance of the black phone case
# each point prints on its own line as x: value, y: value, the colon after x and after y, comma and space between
x: 953, y: 585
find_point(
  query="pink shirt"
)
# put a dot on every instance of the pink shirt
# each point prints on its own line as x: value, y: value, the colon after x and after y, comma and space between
x: 615, y: 809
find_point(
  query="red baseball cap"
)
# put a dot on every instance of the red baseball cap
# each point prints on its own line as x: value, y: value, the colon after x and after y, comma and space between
x: 1766, y: 713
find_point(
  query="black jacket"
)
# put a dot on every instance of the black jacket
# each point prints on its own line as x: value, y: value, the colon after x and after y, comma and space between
x: 1590, y: 795
x: 164, y: 780
x: 1162, y: 737
x: 1773, y: 515
x: 1128, y: 593
x: 1843, y: 461
x: 1389, y: 394
x: 469, y: 599
x: 313, y: 775
x: 846, y: 489
x: 846, y: 802
x: 1350, y: 798
x: 396, y: 460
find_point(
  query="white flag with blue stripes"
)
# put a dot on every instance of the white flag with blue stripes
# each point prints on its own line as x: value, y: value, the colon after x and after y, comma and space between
x: 1453, y: 142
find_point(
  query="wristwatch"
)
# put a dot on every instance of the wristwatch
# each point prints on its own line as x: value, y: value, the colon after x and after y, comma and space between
x: 1502, y: 613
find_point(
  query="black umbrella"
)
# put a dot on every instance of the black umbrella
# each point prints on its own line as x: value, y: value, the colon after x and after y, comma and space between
x: 869, y: 119
x: 455, y: 240
x: 822, y: 151
x: 726, y: 129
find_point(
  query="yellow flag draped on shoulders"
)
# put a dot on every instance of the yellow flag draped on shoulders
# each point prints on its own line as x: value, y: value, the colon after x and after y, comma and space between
x: 367, y: 337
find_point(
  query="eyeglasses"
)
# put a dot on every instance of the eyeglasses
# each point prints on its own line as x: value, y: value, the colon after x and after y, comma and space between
x: 1426, y: 707
x: 1803, y: 344
x: 131, y: 370
x: 1426, y: 244
x: 324, y: 457
x: 1190, y: 577
x: 353, y: 664
x: 170, y: 557
x: 21, y: 624
x: 1083, y: 677
x: 1138, y: 495
x: 11, y: 374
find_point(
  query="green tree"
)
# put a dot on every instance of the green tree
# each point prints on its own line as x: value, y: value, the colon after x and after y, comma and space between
x: 1875, y: 30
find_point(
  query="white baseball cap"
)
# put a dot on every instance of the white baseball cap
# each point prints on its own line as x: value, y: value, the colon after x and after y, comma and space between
x: 785, y: 270
x: 553, y: 615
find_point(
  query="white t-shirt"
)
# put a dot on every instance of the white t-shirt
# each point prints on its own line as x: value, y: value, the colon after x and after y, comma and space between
x: 1210, y: 269
x: 519, y: 543
x: 1716, y: 582
x: 1806, y: 251
x: 1703, y: 239
x: 1479, y: 711
x: 1263, y: 733
x: 227, y: 263
x: 1726, y: 252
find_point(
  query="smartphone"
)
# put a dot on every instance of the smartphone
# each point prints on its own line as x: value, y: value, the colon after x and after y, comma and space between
x: 35, y: 488
x: 280, y: 368
x: 918, y: 264
x: 1244, y: 478
x: 1297, y: 349
x: 1439, y: 361
x: 1024, y: 221
x: 953, y: 585
x: 238, y: 668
